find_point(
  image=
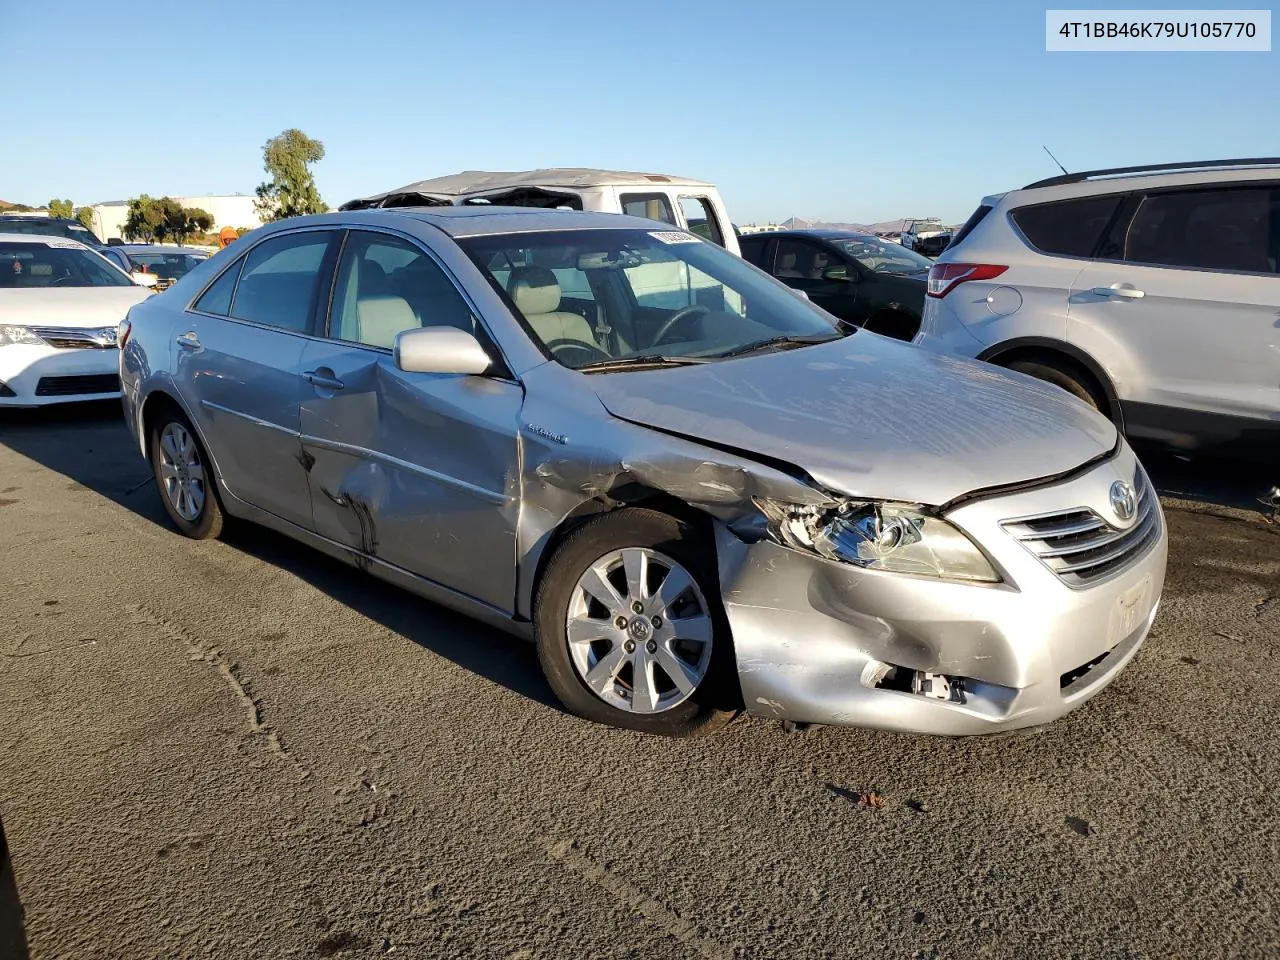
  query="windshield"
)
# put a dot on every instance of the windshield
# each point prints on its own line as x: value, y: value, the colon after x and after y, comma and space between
x: 166, y: 266
x: 882, y: 256
x: 50, y: 228
x: 595, y: 296
x: 56, y: 264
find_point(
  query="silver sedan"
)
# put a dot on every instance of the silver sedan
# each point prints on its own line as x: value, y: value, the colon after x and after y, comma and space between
x: 691, y: 487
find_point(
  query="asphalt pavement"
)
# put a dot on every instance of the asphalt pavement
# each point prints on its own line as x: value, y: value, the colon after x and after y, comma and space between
x: 241, y: 749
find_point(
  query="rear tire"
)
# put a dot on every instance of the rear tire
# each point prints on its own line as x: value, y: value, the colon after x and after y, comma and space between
x: 669, y: 669
x: 1076, y: 382
x: 184, y: 477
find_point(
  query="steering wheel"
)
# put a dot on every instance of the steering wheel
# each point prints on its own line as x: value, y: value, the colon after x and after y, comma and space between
x: 594, y: 351
x: 690, y: 311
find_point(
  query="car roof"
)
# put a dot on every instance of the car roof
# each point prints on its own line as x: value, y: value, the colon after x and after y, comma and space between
x: 459, y: 222
x: 45, y: 238
x: 156, y: 248
x: 475, y: 181
x: 36, y: 216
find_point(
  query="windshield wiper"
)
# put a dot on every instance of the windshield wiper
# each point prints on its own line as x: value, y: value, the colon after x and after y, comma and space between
x: 781, y: 341
x: 640, y: 360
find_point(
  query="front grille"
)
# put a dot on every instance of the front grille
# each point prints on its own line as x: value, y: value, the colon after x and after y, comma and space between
x: 70, y: 386
x: 77, y: 338
x: 1084, y: 549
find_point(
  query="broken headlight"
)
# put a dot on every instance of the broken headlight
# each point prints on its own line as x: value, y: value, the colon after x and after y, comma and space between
x: 896, y: 538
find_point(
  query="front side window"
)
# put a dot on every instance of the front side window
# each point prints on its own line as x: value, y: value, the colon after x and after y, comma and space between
x: 661, y: 293
x: 387, y: 285
x: 802, y: 259
x: 280, y: 280
x: 651, y: 206
x: 1226, y: 229
x: 56, y: 264
x: 1067, y: 228
x: 701, y: 218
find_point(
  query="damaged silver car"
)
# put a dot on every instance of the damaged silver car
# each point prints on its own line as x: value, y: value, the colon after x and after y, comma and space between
x: 695, y: 490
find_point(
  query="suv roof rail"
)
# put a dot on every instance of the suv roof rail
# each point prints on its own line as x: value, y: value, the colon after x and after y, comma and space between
x: 1154, y: 168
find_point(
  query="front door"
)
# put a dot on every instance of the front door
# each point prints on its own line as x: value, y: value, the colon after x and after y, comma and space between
x: 1190, y: 308
x: 239, y: 366
x: 801, y: 264
x: 416, y: 470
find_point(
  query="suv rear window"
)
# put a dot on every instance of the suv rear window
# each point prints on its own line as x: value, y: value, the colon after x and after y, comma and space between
x: 975, y: 218
x: 1067, y: 228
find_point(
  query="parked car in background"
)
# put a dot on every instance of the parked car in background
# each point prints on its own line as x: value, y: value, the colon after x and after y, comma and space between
x: 692, y: 506
x: 926, y: 236
x: 60, y: 305
x: 860, y: 278
x: 162, y: 262
x: 50, y: 227
x: 694, y: 205
x: 1150, y: 293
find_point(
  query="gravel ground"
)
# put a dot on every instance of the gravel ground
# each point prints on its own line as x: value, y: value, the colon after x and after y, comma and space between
x: 243, y: 749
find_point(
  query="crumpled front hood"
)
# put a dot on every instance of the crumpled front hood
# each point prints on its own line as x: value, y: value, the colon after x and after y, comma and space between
x: 871, y: 417
x: 69, y: 306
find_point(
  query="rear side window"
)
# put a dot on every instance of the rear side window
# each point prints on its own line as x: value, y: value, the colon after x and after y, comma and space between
x: 1067, y: 228
x: 1226, y: 229
x: 975, y: 218
x: 651, y: 206
x: 279, y: 281
x: 217, y: 299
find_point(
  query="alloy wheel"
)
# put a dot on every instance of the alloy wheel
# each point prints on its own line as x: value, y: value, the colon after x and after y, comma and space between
x: 181, y: 472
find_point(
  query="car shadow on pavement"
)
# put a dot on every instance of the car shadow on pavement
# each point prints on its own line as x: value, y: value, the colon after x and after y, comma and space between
x: 483, y: 650
x: 90, y: 445
x: 1220, y: 482
x: 13, y: 937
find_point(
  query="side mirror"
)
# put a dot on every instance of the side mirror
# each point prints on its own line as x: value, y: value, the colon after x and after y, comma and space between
x: 839, y: 272
x: 440, y: 350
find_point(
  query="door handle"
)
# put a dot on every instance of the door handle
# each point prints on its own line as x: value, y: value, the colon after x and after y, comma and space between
x: 317, y: 379
x: 1116, y: 290
x: 188, y: 340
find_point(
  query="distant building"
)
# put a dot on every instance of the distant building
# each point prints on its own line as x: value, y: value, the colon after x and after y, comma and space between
x: 231, y: 211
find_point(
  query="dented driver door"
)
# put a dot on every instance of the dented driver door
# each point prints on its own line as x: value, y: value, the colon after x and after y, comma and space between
x: 416, y: 470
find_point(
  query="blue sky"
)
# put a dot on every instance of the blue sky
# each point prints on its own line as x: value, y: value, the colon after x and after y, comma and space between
x: 853, y: 111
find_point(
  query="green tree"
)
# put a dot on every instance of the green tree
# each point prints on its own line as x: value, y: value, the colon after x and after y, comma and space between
x: 145, y: 219
x: 181, y: 222
x: 61, y: 208
x: 85, y: 216
x: 291, y: 191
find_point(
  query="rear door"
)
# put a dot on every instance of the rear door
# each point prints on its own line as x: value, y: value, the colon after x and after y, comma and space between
x: 239, y: 367
x: 1187, y: 305
x: 417, y: 470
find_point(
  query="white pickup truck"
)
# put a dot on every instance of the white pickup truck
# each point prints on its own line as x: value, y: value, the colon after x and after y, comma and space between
x: 692, y: 205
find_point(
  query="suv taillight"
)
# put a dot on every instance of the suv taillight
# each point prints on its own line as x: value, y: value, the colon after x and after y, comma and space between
x: 945, y: 277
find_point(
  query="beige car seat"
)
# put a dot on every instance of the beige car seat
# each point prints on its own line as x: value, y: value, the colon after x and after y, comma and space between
x: 536, y: 294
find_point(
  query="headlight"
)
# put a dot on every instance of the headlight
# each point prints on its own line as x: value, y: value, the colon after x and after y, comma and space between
x: 14, y: 334
x: 893, y: 537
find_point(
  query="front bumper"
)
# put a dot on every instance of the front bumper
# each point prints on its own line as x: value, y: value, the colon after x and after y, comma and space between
x: 36, y: 375
x: 813, y: 636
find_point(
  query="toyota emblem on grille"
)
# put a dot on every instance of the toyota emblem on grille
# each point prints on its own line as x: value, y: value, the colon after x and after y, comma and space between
x: 1123, y: 500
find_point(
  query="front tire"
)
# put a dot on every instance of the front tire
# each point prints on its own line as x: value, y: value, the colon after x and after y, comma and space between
x: 184, y: 477
x: 630, y: 628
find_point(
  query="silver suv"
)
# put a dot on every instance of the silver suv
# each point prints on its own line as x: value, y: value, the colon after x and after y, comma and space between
x: 692, y: 488
x: 1150, y: 293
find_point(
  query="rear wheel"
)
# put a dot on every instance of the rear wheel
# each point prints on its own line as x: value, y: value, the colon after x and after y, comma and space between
x: 630, y: 628
x: 1071, y: 379
x: 183, y: 477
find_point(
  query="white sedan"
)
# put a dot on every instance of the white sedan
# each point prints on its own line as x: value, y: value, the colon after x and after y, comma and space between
x: 60, y: 304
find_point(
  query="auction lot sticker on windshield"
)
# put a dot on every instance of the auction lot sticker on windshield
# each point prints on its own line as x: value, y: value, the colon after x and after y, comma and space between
x: 673, y: 236
x: 64, y: 244
x: 1132, y: 31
